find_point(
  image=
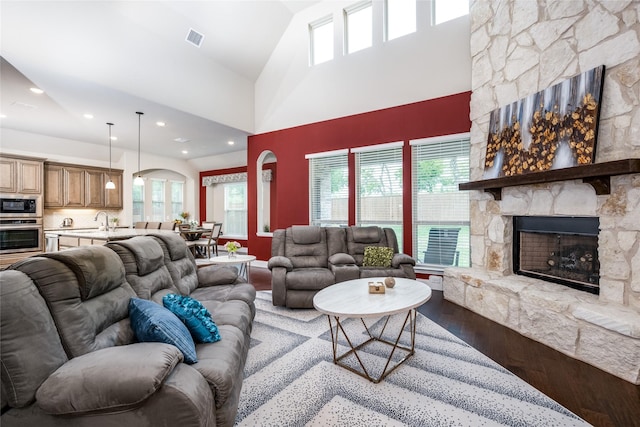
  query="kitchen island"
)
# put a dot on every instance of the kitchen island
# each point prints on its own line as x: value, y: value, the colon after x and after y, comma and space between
x: 82, y: 237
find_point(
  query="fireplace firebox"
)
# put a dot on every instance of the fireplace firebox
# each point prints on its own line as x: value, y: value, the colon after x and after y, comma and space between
x: 562, y: 250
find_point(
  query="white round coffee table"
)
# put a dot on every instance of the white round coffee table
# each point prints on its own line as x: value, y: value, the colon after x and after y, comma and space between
x: 351, y: 299
x: 243, y: 260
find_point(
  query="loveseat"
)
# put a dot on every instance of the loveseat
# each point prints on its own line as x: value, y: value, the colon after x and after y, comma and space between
x: 70, y: 349
x: 305, y: 259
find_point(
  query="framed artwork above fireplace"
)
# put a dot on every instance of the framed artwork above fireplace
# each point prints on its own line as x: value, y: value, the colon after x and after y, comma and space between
x: 553, y: 129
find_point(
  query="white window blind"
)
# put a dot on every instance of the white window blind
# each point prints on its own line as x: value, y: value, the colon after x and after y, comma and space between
x: 440, y: 209
x: 379, y: 187
x: 329, y: 189
x: 235, y: 209
x: 177, y: 199
x: 157, y: 200
x: 138, y: 203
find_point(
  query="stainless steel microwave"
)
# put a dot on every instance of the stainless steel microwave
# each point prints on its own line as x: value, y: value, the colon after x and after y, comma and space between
x: 16, y: 206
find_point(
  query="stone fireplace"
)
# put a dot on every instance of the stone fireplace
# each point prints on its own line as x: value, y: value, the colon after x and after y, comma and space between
x: 519, y: 48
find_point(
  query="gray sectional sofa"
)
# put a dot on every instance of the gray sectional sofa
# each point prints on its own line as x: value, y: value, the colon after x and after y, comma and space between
x: 305, y: 259
x: 70, y: 356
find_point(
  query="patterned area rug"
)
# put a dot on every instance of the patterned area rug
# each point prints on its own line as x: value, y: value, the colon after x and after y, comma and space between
x: 290, y: 379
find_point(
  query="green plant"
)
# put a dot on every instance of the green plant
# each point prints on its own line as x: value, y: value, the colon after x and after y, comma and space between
x: 266, y: 228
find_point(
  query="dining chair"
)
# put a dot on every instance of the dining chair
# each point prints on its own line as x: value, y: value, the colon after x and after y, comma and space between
x: 167, y: 225
x: 141, y: 225
x: 211, y: 241
x: 153, y: 225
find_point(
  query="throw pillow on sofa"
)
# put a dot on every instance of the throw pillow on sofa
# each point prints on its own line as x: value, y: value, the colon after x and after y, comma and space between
x: 377, y: 256
x: 152, y: 322
x: 194, y: 315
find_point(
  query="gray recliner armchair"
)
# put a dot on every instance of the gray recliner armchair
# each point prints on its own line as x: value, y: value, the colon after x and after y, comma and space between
x: 307, y: 259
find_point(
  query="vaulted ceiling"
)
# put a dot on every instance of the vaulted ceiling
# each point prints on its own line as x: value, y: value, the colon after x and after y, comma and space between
x: 113, y: 58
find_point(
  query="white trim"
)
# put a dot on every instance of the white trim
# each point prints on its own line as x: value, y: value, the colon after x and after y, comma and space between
x: 441, y: 138
x: 378, y: 147
x: 326, y: 154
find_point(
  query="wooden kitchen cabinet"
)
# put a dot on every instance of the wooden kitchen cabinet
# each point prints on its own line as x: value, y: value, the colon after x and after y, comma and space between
x: 94, y: 188
x: 53, y: 186
x: 113, y: 198
x: 73, y: 187
x: 76, y: 186
x: 21, y: 175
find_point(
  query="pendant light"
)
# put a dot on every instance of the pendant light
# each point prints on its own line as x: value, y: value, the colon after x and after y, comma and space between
x: 138, y: 180
x: 110, y: 185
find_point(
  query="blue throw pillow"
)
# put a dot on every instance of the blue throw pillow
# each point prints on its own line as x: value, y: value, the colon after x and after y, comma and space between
x: 194, y: 315
x: 152, y: 322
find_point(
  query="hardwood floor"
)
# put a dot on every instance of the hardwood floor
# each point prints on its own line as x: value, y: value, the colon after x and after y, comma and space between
x: 598, y: 397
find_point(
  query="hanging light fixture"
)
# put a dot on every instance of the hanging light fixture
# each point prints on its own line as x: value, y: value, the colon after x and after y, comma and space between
x: 138, y: 179
x: 110, y: 185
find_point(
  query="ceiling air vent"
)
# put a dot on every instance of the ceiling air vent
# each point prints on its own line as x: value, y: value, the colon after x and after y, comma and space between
x: 195, y: 38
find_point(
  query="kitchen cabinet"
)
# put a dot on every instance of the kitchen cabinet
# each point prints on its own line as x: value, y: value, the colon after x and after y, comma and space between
x: 113, y: 198
x: 77, y: 186
x: 21, y: 175
x: 73, y: 187
x: 53, y: 186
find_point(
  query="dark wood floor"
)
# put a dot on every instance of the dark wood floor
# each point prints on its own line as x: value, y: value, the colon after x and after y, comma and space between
x: 599, y: 398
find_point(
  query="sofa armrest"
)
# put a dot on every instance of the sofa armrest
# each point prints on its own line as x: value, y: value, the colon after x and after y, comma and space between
x: 399, y: 259
x: 341, y: 259
x: 213, y: 275
x: 111, y: 379
x: 280, y: 261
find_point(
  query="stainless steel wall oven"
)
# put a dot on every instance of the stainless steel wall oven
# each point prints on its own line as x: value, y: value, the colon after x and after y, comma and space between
x: 20, y: 224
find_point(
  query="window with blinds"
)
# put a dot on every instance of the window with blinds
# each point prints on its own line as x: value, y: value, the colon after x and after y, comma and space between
x: 329, y: 188
x: 440, y: 209
x: 157, y: 199
x: 379, y: 186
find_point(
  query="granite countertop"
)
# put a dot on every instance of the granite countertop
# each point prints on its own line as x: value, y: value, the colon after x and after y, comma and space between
x: 118, y: 234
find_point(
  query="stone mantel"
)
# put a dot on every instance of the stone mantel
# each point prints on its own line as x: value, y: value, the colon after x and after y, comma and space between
x: 596, y: 174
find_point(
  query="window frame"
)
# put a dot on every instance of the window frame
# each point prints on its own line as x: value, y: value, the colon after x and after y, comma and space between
x: 455, y: 218
x: 434, y: 11
x: 381, y: 150
x: 352, y: 10
x: 313, y: 26
x: 325, y: 160
x: 227, y: 208
x: 387, y: 14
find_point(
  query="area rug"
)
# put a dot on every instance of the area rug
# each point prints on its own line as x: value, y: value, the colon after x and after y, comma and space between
x: 290, y: 380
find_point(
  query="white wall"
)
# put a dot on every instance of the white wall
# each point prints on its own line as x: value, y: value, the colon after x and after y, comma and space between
x: 433, y: 62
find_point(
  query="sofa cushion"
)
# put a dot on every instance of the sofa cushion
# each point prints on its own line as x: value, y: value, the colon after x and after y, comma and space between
x: 370, y: 234
x: 30, y: 347
x: 111, y: 379
x: 309, y: 279
x: 377, y: 256
x: 197, y: 318
x: 306, y: 234
x: 154, y: 323
x: 148, y: 256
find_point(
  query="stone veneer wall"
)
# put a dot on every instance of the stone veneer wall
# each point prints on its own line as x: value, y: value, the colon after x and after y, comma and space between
x: 520, y: 47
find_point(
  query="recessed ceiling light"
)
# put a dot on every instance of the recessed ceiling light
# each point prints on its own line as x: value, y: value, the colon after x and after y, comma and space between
x: 181, y: 140
x: 230, y: 142
x: 114, y: 138
x: 185, y: 152
x: 161, y: 124
x: 3, y: 116
x: 36, y: 90
x: 88, y: 116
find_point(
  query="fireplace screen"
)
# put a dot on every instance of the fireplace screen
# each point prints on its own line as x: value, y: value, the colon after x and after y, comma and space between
x: 563, y: 250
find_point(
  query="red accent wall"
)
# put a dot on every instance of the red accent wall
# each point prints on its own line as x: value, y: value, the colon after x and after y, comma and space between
x: 435, y: 117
